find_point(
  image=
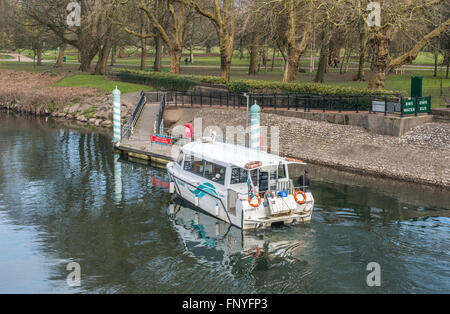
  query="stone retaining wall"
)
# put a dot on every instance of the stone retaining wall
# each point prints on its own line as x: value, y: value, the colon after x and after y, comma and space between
x: 374, y: 123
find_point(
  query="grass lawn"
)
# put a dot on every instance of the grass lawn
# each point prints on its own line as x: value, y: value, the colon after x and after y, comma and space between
x: 428, y: 58
x: 100, y: 82
x: 29, y: 67
x: 210, y: 65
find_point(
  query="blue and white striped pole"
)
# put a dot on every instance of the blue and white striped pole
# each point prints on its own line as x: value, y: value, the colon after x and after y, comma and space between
x: 117, y: 179
x: 116, y: 119
x: 255, y: 131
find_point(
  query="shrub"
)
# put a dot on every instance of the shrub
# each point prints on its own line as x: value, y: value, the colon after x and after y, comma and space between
x: 167, y: 81
x: 52, y: 107
x: 173, y: 82
x: 241, y: 86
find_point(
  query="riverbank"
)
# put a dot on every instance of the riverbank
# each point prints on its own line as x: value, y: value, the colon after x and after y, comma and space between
x: 421, y: 156
x: 35, y: 94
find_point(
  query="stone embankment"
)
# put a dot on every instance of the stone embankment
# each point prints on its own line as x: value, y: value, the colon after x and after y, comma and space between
x: 422, y: 155
x: 32, y: 93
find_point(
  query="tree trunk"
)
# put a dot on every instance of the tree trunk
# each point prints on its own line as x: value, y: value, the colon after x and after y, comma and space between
x: 323, y: 62
x: 60, y: 60
x: 381, y: 59
x: 39, y: 54
x: 87, y: 54
x: 264, y: 56
x: 225, y: 66
x: 448, y: 63
x: 273, y: 60
x: 208, y: 48
x: 103, y: 55
x: 113, y: 54
x: 158, y: 54
x: 363, y: 37
x: 100, y: 67
x: 294, y: 50
x: 191, y: 54
x: 436, y: 56
x: 362, y: 57
x: 345, y: 59
x: 292, y: 64
x: 143, y: 53
x: 175, y: 58
x: 226, y: 52
x: 253, y: 68
x: 122, y: 52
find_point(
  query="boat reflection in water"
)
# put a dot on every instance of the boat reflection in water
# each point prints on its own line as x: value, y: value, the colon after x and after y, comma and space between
x: 210, y: 240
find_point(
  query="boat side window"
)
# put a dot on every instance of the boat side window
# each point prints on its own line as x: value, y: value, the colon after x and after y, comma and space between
x: 180, y: 158
x: 254, y: 175
x: 214, y: 172
x: 193, y: 165
x: 238, y: 175
x: 281, y: 172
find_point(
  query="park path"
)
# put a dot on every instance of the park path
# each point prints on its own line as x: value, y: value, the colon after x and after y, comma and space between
x: 16, y: 57
x: 408, y: 67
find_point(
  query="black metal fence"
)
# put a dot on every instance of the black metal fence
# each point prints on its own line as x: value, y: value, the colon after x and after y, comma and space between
x: 383, y: 103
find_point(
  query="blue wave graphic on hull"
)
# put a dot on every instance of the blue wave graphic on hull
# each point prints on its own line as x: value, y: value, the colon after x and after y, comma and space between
x: 203, y: 189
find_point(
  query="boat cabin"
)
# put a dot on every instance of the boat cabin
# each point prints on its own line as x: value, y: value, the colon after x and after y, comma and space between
x: 229, y: 166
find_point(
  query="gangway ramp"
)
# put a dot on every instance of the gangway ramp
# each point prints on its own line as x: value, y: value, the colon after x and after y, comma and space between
x: 145, y: 122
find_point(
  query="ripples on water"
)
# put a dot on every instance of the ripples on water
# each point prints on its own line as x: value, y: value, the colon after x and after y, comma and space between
x: 62, y: 199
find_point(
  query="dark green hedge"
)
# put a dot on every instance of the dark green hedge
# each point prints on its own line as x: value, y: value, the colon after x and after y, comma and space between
x: 157, y: 79
x: 175, y: 82
x: 242, y: 86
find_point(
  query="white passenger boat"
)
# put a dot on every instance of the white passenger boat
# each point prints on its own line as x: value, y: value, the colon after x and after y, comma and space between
x: 247, y: 188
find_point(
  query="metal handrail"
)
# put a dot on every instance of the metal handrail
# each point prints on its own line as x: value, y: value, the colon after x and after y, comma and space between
x: 161, y: 109
x: 129, y: 126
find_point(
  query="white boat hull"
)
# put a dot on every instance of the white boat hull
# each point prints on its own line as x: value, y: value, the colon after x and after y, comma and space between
x: 213, y: 200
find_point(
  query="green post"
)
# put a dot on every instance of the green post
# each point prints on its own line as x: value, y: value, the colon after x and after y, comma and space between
x: 416, y: 86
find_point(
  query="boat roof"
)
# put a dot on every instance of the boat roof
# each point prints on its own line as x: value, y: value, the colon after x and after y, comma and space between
x: 233, y: 155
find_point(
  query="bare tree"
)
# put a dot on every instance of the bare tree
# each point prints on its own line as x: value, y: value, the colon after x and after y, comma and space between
x: 222, y: 14
x: 171, y: 33
x: 398, y: 15
x: 89, y: 38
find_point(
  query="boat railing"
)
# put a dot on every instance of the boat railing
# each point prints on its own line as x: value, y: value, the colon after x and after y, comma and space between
x: 285, y: 186
x: 303, y: 188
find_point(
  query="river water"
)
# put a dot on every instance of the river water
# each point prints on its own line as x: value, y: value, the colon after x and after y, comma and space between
x: 65, y: 198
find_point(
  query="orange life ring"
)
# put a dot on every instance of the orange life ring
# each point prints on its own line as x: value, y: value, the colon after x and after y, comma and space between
x: 294, y: 160
x: 252, y: 204
x: 253, y: 165
x: 301, y: 193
